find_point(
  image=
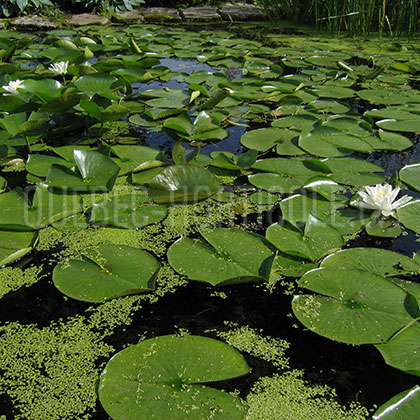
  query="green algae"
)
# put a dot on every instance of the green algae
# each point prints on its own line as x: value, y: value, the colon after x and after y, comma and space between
x: 13, y: 278
x: 51, y: 373
x: 252, y: 341
x: 290, y: 397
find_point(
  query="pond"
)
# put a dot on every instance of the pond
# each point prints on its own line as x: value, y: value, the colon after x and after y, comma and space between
x: 208, y: 223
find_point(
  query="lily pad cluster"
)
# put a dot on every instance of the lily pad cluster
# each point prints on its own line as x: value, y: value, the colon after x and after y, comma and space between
x: 308, y: 126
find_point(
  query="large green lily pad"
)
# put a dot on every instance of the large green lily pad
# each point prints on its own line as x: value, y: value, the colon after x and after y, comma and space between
x: 128, y: 211
x: 354, y: 306
x: 317, y: 239
x: 183, y: 183
x: 95, y: 172
x: 109, y: 271
x: 377, y: 261
x: 161, y: 378
x: 225, y: 256
x: 19, y: 213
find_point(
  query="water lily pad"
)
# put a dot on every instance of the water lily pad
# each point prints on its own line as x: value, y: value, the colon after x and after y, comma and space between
x: 21, y: 213
x: 297, y: 208
x: 401, y: 351
x: 14, y: 245
x: 183, y: 183
x: 262, y: 139
x: 162, y: 378
x: 377, y: 261
x: 96, y: 172
x: 327, y: 141
x: 109, y: 271
x: 348, y: 221
x: 384, y: 96
x: 405, y: 405
x: 317, y: 239
x: 387, y: 228
x: 409, y: 126
x: 225, y: 256
x: 285, y: 175
x: 410, y: 174
x: 128, y: 211
x: 202, y: 129
x: 408, y: 215
x: 356, y: 307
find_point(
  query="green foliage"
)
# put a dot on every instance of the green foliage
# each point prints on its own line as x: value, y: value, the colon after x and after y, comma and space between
x: 353, y: 16
x: 12, y: 7
x: 110, y: 6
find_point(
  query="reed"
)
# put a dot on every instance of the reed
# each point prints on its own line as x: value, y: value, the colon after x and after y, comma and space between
x: 352, y: 16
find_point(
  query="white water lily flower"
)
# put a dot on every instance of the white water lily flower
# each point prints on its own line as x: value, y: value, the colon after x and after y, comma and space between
x: 12, y: 86
x: 59, y: 68
x: 381, y: 198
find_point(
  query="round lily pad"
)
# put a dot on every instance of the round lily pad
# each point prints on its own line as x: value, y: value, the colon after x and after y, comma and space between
x: 108, y: 271
x: 128, y: 211
x: 226, y: 256
x: 317, y: 239
x: 354, y: 306
x: 410, y: 174
x: 162, y: 378
x: 378, y: 261
x: 183, y: 183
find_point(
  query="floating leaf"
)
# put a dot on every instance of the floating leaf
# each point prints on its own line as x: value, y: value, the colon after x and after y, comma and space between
x: 409, y: 126
x: 297, y: 208
x: 408, y: 215
x: 128, y: 211
x: 225, y: 257
x: 405, y: 405
x: 46, y: 208
x: 109, y: 271
x: 14, y: 245
x: 410, y: 174
x: 161, y: 378
x: 183, y: 183
x: 97, y: 172
x: 262, y: 139
x: 327, y: 141
x: 374, y: 260
x: 317, y: 239
x: 356, y: 307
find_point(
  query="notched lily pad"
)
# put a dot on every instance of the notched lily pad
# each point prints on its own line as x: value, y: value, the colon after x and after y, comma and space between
x: 182, y: 184
x: 354, y: 306
x: 128, y: 211
x: 161, y: 378
x: 225, y: 256
x: 93, y: 172
x: 109, y: 271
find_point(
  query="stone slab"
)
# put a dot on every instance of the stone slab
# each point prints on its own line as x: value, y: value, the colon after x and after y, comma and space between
x: 173, y: 14
x: 200, y: 13
x: 33, y: 22
x: 87, y: 19
x: 242, y: 12
x: 131, y: 16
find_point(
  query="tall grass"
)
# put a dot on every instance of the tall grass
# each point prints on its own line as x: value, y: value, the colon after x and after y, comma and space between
x: 352, y: 16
